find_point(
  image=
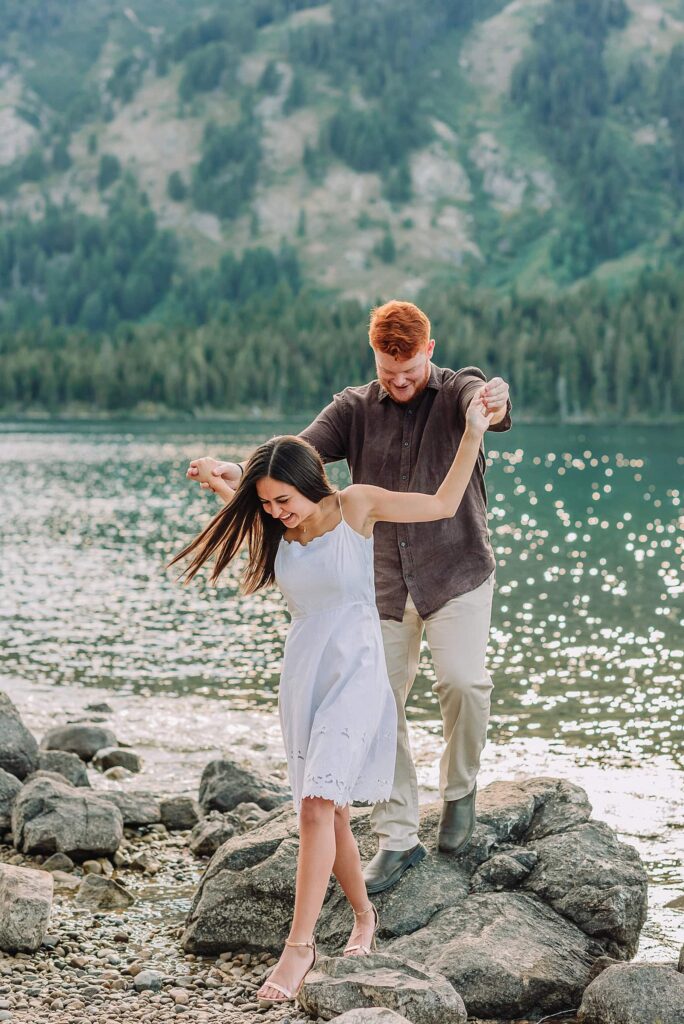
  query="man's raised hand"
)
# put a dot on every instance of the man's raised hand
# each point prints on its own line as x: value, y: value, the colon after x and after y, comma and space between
x: 494, y: 394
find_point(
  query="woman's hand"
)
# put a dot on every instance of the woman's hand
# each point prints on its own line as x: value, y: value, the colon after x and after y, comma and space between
x: 477, y: 417
x: 203, y: 471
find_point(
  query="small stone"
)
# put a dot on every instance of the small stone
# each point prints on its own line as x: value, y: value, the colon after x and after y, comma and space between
x: 148, y: 981
x: 146, y: 862
x: 92, y: 867
x: 179, y: 996
x: 58, y: 862
x: 98, y: 893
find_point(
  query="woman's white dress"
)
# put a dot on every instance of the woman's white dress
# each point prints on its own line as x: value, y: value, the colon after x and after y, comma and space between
x: 337, y: 709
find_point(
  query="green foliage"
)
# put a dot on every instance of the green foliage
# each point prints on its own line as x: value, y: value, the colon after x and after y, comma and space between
x: 256, y: 341
x: 67, y: 268
x: 385, y: 249
x: 61, y: 159
x: 269, y: 81
x: 109, y: 170
x: 671, y: 101
x: 204, y: 70
x: 224, y: 179
x: 176, y: 188
x: 33, y: 166
x: 297, y: 93
x: 563, y: 84
x: 126, y: 78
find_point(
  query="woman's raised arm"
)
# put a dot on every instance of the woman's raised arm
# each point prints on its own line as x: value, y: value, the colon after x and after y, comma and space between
x: 367, y: 505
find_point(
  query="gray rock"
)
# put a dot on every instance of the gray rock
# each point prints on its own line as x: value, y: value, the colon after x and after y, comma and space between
x: 376, y: 1015
x: 63, y: 763
x: 224, y: 785
x: 210, y: 833
x: 527, y: 949
x: 680, y: 965
x: 25, y: 904
x: 9, y: 787
x: 631, y: 993
x: 503, y: 871
x: 18, y: 748
x: 100, y: 707
x: 502, y: 951
x: 591, y: 878
x: 339, y: 984
x: 58, y: 862
x: 148, y: 981
x: 64, y: 882
x: 83, y: 739
x: 54, y: 817
x: 180, y: 813
x: 117, y: 757
x: 99, y: 893
x: 136, y: 808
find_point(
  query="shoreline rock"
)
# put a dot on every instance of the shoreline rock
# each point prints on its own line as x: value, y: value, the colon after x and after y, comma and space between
x: 512, y: 943
x: 51, y: 816
x: 83, y: 739
x: 25, y: 905
x: 18, y: 747
x: 225, y: 784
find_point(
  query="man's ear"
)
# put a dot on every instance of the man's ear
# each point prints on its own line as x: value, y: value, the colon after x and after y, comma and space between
x: 430, y: 348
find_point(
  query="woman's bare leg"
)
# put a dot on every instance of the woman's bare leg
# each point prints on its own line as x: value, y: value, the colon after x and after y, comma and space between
x: 314, y: 867
x: 348, y: 872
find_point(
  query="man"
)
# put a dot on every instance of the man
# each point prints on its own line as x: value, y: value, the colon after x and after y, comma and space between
x: 401, y: 431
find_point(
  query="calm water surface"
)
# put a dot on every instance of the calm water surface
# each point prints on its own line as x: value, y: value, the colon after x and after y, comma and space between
x: 587, y: 645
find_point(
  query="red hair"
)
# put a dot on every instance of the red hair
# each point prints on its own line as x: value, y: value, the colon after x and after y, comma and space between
x: 399, y: 329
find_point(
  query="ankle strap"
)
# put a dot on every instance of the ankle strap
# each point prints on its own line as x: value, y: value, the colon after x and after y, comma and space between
x: 309, y: 945
x: 360, y: 913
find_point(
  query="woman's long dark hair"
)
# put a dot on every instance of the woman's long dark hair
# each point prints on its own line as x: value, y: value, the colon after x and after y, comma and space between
x: 288, y: 459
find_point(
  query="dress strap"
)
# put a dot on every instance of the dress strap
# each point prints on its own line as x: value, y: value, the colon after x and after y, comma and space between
x: 339, y: 501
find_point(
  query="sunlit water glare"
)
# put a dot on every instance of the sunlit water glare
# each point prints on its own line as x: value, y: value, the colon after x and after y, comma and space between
x: 587, y: 645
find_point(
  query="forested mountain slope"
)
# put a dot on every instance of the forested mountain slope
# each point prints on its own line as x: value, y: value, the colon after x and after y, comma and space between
x: 183, y: 164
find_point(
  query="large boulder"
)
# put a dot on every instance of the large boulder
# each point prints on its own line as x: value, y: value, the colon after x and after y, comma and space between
x: 9, y: 787
x: 25, y: 904
x: 513, y: 933
x: 18, y: 748
x: 344, y: 983
x: 54, y: 817
x: 83, y: 739
x: 631, y: 993
x: 63, y: 763
x: 224, y: 785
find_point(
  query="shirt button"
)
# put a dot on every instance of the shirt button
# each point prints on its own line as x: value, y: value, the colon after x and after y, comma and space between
x: 406, y: 444
x: 404, y: 476
x: 410, y: 412
x: 402, y: 543
x: 409, y: 576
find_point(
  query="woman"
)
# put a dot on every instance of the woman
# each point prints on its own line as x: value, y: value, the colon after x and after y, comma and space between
x: 337, y: 710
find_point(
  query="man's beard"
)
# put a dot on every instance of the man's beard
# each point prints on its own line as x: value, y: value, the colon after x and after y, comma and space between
x: 418, y: 389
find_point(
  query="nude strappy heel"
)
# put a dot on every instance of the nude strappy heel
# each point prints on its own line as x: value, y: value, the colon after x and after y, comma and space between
x: 365, y: 950
x: 289, y: 997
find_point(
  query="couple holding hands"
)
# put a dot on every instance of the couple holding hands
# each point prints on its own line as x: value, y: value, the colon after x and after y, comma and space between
x: 364, y: 571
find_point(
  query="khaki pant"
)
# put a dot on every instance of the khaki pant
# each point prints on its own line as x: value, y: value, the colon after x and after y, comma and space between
x: 457, y: 636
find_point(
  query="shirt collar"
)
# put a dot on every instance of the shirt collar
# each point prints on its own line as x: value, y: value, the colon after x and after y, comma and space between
x: 434, y: 382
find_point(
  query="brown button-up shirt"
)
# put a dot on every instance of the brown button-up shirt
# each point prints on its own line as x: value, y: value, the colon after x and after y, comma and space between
x: 410, y: 448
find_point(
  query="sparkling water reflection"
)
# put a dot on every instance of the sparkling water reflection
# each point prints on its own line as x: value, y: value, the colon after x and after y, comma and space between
x: 587, y: 528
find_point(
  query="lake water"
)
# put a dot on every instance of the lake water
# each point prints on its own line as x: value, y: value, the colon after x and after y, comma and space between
x: 587, y: 645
